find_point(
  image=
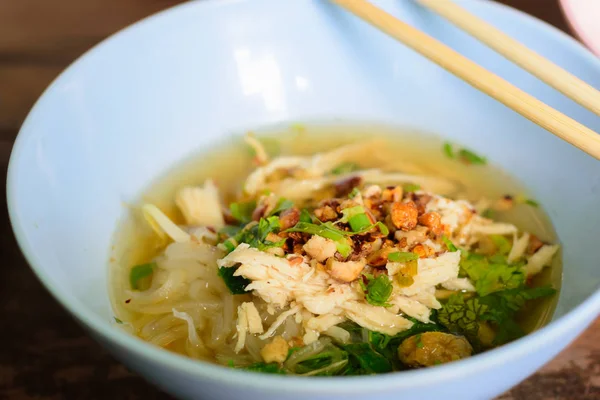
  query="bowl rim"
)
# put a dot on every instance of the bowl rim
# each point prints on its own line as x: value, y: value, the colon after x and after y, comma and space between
x: 581, y: 315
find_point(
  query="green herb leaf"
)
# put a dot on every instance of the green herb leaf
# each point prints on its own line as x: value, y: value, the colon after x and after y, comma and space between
x: 256, y: 235
x: 230, y: 230
x: 402, y: 256
x: 451, y: 247
x: 355, y: 192
x: 368, y: 360
x: 461, y: 316
x: 235, y: 284
x: 502, y: 244
x: 242, y: 211
x: 118, y: 321
x: 305, y: 216
x: 502, y: 307
x: 271, y: 368
x: 379, y: 290
x: 491, y: 274
x: 532, y: 203
x: 140, y: 272
x: 488, y: 213
x: 329, y: 361
x: 448, y: 150
x: 411, y: 187
x: 469, y: 157
x: 326, y: 230
x: 282, y: 205
x: 345, y: 168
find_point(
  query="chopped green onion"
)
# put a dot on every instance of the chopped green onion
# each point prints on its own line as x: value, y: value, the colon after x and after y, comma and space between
x: 355, y: 192
x: 448, y: 151
x: 351, y: 212
x: 118, y: 321
x: 402, y: 256
x: 139, y: 272
x: 411, y: 187
x: 345, y: 168
x: 359, y: 222
x: 229, y: 245
x: 378, y: 290
x: 469, y: 157
x: 532, y: 203
x: 449, y: 244
x: 328, y: 231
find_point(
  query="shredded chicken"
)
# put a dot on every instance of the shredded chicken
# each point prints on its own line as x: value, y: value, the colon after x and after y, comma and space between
x: 201, y: 206
x: 433, y: 271
x: 540, y: 259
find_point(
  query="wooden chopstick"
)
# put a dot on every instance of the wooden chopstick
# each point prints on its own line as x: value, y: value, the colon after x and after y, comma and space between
x: 528, y: 106
x: 563, y: 81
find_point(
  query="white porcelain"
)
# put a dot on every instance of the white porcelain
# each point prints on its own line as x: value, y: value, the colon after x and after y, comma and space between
x: 177, y: 82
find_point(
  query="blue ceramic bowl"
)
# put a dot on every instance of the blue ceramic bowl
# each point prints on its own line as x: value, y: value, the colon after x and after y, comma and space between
x: 174, y: 83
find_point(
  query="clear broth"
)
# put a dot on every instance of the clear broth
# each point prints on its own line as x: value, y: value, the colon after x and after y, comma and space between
x: 230, y: 162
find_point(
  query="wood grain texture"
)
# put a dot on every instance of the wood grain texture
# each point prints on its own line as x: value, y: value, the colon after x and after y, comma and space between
x: 44, y: 354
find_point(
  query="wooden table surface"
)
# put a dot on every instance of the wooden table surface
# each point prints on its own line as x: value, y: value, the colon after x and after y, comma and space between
x: 44, y: 354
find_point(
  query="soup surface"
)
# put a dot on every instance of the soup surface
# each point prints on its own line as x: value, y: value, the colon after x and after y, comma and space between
x: 334, y: 250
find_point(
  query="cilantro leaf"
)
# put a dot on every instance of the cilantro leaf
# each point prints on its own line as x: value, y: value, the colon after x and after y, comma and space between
x: 242, y: 211
x: 256, y: 235
x: 140, y: 272
x: 282, y: 205
x: 271, y: 368
x: 491, y: 274
x: 305, y: 216
x: 235, y: 284
x: 502, y: 244
x: 366, y: 360
x: 379, y: 290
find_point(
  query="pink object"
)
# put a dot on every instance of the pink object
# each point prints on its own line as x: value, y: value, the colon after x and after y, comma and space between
x: 584, y: 17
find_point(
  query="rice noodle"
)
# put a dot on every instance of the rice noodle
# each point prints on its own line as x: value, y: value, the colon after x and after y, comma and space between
x: 163, y: 225
x: 280, y: 320
x: 174, y: 287
x: 339, y: 334
x: 261, y: 154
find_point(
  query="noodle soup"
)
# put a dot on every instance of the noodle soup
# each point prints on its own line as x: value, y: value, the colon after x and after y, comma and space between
x: 341, y: 250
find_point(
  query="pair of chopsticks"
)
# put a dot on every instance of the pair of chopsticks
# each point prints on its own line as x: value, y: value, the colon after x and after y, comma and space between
x: 528, y: 106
